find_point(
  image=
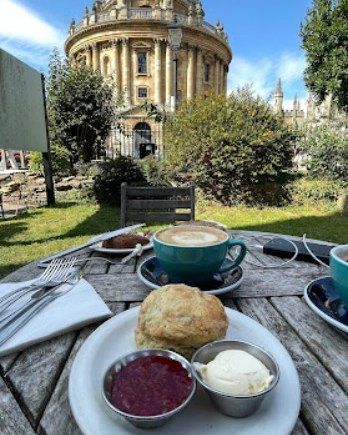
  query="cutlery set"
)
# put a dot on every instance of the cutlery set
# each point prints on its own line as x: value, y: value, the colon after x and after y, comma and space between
x: 18, y: 307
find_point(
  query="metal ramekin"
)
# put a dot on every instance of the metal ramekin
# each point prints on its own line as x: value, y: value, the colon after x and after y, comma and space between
x: 235, y: 406
x: 146, y: 422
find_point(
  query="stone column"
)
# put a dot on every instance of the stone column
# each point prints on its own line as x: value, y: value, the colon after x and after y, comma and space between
x: 225, y: 79
x: 199, y: 73
x: 117, y: 66
x: 190, y: 72
x: 158, y: 72
x: 134, y: 73
x: 126, y: 71
x: 217, y: 75
x: 222, y: 78
x: 89, y: 59
x: 169, y: 74
x: 96, y: 57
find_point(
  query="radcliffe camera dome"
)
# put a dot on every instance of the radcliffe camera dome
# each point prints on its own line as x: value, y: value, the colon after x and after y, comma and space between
x: 131, y: 44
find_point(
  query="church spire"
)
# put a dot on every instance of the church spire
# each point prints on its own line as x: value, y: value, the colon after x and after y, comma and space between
x: 278, y: 98
x: 279, y: 89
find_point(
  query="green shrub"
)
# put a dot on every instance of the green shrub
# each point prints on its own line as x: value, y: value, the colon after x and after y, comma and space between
x: 84, y: 195
x: 111, y: 174
x: 235, y: 148
x: 327, y: 150
x: 35, y: 162
x: 307, y: 191
x: 86, y: 169
x: 155, y: 171
x: 60, y: 161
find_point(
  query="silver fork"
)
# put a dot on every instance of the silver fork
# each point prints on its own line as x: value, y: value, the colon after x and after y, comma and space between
x: 60, y: 272
x: 41, y: 280
x: 24, y: 315
x: 10, y: 315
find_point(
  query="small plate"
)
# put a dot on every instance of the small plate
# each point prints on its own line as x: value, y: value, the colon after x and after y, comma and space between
x: 321, y: 296
x: 153, y: 276
x: 99, y: 248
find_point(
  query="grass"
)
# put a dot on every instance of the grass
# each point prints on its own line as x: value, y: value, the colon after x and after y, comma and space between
x: 46, y: 231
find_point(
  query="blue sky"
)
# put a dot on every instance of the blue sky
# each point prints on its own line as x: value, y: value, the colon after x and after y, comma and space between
x: 263, y: 35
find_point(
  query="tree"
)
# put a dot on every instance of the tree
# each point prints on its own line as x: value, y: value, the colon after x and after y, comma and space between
x: 234, y: 148
x: 326, y: 148
x: 81, y: 108
x: 325, y: 40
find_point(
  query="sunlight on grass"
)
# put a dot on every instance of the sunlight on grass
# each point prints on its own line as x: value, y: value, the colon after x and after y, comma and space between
x: 46, y: 231
x: 321, y: 222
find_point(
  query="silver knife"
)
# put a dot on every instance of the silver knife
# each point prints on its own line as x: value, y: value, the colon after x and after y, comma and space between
x: 17, y: 325
x: 42, y: 293
x: 91, y: 242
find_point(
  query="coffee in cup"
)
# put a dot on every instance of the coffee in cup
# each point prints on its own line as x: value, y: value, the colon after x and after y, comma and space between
x: 192, y: 236
x: 193, y: 255
x: 339, y: 270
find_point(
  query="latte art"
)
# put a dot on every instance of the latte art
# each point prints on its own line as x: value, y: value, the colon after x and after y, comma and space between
x: 192, y: 236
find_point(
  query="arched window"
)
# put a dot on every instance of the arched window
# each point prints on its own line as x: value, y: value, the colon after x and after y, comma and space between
x: 106, y: 66
x: 143, y: 140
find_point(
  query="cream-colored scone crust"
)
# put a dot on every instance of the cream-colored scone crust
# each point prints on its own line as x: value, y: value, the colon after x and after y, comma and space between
x: 181, y: 318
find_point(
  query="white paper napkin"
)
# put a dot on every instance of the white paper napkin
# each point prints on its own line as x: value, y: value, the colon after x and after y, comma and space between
x: 79, y: 307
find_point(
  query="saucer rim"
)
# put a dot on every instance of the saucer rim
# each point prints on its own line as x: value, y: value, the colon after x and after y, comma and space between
x: 336, y: 323
x: 216, y: 292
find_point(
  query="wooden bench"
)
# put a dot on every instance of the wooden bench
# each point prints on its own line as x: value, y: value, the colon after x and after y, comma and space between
x: 157, y: 204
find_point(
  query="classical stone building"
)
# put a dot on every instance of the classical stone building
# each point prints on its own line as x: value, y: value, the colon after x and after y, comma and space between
x: 128, y: 41
x: 311, y: 114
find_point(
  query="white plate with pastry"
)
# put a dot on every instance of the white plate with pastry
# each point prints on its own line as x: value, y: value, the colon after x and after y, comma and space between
x: 278, y: 412
x: 124, y: 244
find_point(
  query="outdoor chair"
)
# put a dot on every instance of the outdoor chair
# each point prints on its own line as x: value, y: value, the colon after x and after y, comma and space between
x: 157, y: 204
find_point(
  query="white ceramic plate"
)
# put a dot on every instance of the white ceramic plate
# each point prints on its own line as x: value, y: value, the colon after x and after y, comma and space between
x: 99, y: 248
x: 277, y: 415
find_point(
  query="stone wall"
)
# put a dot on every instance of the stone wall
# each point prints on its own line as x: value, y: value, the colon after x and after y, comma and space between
x: 27, y: 189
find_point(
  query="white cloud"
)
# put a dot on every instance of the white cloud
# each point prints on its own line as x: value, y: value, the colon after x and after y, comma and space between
x: 22, y: 24
x: 26, y: 35
x: 243, y: 72
x: 263, y: 74
x: 291, y: 67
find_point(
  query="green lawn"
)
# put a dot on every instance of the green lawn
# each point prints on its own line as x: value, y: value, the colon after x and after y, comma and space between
x: 45, y: 231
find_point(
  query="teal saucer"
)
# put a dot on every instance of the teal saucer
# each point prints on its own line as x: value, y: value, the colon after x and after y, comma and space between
x: 322, y: 297
x: 153, y: 276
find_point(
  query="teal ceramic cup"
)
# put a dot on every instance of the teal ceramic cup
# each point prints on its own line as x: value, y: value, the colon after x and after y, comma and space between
x: 197, y: 265
x: 339, y: 270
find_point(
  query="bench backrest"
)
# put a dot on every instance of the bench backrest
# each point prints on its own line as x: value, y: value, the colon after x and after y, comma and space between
x: 157, y: 204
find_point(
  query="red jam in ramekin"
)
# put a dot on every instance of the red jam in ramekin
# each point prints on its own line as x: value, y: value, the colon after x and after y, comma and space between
x: 150, y: 386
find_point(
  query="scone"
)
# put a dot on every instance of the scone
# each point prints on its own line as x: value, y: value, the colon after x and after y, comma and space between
x: 180, y: 318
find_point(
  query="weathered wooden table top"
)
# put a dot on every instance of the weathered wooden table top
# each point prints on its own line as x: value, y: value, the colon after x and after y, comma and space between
x: 34, y: 383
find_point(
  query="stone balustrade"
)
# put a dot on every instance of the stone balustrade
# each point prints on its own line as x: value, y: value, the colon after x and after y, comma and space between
x: 140, y: 14
x: 143, y: 14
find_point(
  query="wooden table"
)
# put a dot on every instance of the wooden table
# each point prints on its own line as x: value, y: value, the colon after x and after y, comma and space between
x: 34, y: 383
